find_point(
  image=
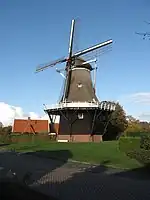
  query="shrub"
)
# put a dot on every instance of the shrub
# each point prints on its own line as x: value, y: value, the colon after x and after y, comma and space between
x: 141, y: 155
x: 6, y: 139
x: 145, y: 142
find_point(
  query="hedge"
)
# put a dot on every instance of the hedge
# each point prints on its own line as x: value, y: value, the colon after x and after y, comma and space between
x: 141, y: 155
x: 141, y: 152
x: 30, y: 138
x: 145, y: 142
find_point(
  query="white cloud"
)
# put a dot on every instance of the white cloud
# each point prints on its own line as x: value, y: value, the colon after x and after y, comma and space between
x: 145, y: 116
x: 137, y: 104
x: 33, y: 115
x: 8, y: 113
x: 143, y: 97
x: 140, y: 97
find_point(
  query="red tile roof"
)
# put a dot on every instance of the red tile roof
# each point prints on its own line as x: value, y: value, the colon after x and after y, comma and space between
x: 30, y: 126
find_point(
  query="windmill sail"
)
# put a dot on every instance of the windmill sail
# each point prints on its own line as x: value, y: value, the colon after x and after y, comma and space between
x: 51, y: 64
x: 100, y: 45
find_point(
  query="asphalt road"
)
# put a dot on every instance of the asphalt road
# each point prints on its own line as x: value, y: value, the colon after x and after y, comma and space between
x: 65, y: 180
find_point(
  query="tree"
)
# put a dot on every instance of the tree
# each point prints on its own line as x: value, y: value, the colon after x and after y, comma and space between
x: 1, y: 127
x: 7, y: 130
x: 1, y: 124
x: 145, y: 126
x: 130, y: 118
x: 134, y: 127
x: 117, y: 124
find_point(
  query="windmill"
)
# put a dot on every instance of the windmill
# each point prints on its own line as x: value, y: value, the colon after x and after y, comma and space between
x: 79, y: 109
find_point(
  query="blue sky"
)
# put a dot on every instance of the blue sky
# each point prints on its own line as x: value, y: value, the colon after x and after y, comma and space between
x: 35, y: 31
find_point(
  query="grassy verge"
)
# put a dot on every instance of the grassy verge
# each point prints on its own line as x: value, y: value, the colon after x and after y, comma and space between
x: 107, y: 153
x: 129, y: 143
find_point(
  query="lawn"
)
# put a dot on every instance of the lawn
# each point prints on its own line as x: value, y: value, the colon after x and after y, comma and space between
x: 107, y: 153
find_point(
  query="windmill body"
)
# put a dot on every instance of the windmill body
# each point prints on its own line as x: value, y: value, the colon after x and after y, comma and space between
x: 82, y: 116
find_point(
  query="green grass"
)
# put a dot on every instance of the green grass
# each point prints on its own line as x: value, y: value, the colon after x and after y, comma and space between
x: 129, y: 143
x: 107, y: 153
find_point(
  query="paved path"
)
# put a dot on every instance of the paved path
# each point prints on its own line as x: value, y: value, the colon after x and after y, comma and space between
x: 74, y: 181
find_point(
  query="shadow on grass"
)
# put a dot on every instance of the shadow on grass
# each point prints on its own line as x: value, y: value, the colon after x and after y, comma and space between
x: 141, y: 173
x: 62, y: 155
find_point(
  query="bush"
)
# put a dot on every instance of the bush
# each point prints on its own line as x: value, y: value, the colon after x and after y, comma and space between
x: 141, y: 155
x: 5, y: 139
x: 127, y: 144
x: 145, y: 142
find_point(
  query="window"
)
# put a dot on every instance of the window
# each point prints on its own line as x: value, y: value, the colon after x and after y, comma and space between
x: 79, y: 85
x: 80, y: 115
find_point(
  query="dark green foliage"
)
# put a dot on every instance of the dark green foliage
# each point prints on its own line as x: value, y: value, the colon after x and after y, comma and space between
x: 118, y: 118
x: 7, y: 129
x: 145, y: 142
x: 141, y: 155
x: 1, y: 127
x: 5, y: 132
x: 117, y: 124
x: 5, y: 139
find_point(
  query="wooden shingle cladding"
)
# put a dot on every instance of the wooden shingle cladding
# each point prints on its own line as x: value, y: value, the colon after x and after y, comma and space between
x: 30, y: 126
x: 79, y: 84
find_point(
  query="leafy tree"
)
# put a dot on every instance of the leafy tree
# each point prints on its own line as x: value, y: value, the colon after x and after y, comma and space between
x: 1, y: 127
x: 7, y: 130
x: 1, y: 124
x: 133, y: 127
x: 136, y: 127
x: 145, y: 126
x: 5, y: 134
x: 117, y: 124
x: 131, y: 119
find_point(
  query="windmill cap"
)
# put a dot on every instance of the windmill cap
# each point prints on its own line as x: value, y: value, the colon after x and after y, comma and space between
x: 79, y: 63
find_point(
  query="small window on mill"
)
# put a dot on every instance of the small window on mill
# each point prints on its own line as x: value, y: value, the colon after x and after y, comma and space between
x: 79, y: 85
x: 80, y: 115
